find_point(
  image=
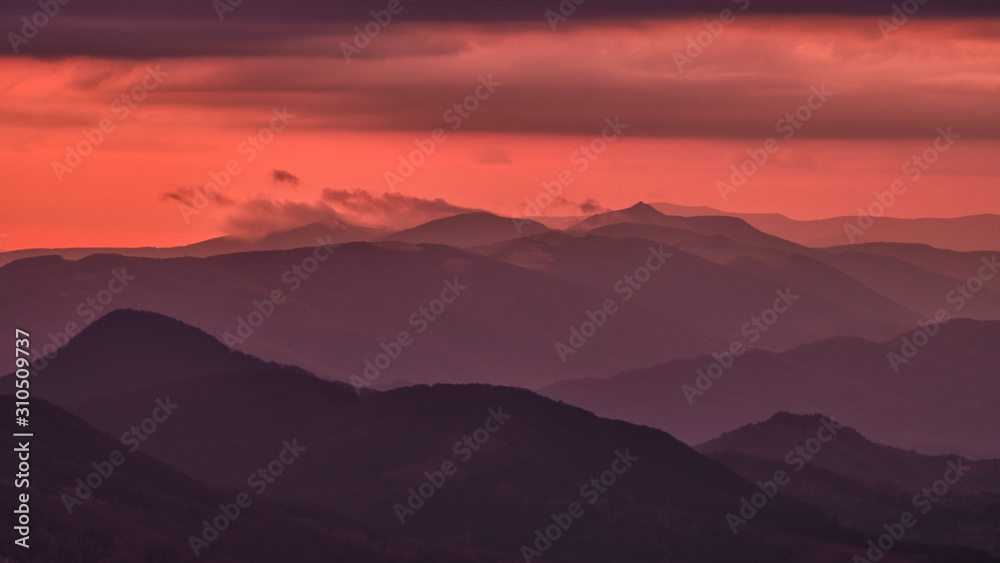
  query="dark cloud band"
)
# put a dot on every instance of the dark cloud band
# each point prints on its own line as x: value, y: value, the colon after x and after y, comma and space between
x: 199, y: 28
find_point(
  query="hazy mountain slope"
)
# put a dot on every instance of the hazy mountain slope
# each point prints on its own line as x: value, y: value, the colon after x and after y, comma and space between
x: 281, y: 240
x: 966, y: 234
x: 916, y: 277
x: 971, y: 233
x: 804, y: 272
x: 851, y: 454
x: 721, y: 299
x: 502, y: 328
x: 861, y: 278
x: 866, y: 485
x: 732, y: 227
x: 941, y: 401
x: 920, y: 289
x: 949, y: 263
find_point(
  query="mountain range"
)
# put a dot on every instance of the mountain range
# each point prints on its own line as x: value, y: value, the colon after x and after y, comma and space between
x: 362, y: 455
x: 535, y: 290
x: 453, y: 391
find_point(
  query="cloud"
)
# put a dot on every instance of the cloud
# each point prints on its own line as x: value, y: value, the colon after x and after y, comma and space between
x: 186, y: 195
x: 284, y: 177
x: 394, y: 210
x: 931, y: 73
x: 591, y: 206
x: 341, y: 209
x: 260, y: 216
x: 142, y: 30
x: 561, y: 205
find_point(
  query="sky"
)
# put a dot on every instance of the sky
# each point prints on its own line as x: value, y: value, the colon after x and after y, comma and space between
x: 290, y: 113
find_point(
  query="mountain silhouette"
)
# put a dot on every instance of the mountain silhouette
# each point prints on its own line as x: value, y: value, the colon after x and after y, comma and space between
x: 969, y: 233
x: 361, y: 455
x: 865, y: 485
x: 937, y: 403
x: 468, y: 229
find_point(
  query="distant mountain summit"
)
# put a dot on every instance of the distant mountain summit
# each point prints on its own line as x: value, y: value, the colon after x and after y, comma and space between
x: 722, y: 224
x: 126, y: 350
x: 638, y: 213
x: 966, y: 234
x: 848, y: 453
x: 774, y: 437
x: 468, y: 229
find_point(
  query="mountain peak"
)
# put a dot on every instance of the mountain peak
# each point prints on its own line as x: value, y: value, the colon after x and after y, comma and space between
x: 128, y: 349
x: 639, y: 213
x: 791, y: 420
x: 644, y: 209
x: 641, y: 205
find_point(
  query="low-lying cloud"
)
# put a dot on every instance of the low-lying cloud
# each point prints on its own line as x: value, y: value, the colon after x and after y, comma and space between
x: 391, y: 209
x: 356, y: 210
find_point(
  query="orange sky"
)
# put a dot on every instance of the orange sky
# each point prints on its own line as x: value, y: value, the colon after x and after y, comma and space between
x: 354, y: 120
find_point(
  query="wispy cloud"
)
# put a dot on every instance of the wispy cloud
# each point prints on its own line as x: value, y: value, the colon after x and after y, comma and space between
x: 391, y: 209
x: 260, y: 215
x: 187, y: 194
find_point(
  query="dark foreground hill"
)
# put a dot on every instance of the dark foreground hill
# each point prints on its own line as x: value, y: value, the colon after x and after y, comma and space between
x: 144, y: 510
